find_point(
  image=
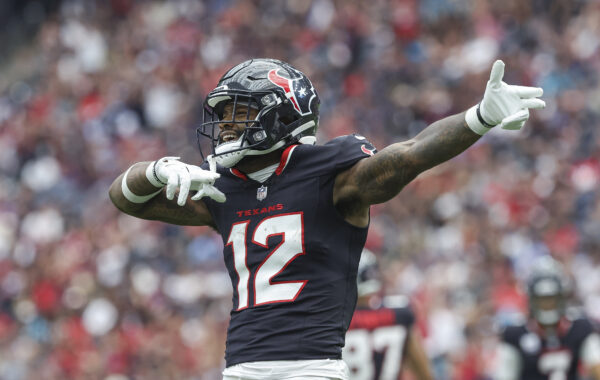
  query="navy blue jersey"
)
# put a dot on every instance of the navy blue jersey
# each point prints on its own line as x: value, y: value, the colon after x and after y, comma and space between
x: 291, y: 256
x: 375, y: 342
x: 542, y: 357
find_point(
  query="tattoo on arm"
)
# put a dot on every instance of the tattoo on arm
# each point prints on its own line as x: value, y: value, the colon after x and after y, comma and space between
x: 381, y: 177
x: 193, y: 213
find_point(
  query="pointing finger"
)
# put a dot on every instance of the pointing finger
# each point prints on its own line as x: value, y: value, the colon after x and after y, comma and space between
x: 203, y: 176
x: 216, y: 194
x: 198, y: 195
x: 527, y: 92
x: 210, y: 191
x: 172, y: 183
x: 497, y: 74
x: 184, y: 187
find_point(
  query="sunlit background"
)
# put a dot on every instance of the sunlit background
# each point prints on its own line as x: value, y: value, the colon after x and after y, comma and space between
x: 89, y: 87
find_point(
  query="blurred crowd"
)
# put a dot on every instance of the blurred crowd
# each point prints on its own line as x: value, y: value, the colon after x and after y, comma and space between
x: 87, y: 292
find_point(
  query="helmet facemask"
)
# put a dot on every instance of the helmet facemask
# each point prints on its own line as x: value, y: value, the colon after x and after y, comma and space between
x: 548, y: 289
x: 547, y: 301
x: 261, y: 135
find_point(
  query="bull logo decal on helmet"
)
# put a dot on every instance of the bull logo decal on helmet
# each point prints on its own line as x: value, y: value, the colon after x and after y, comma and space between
x: 298, y: 90
x: 370, y: 152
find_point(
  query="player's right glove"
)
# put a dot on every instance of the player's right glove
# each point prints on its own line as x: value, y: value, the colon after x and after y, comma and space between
x: 172, y: 173
x: 503, y: 104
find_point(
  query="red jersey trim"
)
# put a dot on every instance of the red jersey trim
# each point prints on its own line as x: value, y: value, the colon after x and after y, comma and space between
x: 285, y: 158
x: 238, y: 173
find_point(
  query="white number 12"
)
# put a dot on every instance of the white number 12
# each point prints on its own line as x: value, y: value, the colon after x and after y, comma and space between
x: 291, y: 229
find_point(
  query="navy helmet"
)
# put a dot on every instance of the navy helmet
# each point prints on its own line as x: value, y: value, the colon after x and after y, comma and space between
x: 285, y: 102
x: 548, y: 289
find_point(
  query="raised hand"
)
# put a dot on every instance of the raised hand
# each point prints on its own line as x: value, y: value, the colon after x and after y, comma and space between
x: 503, y: 104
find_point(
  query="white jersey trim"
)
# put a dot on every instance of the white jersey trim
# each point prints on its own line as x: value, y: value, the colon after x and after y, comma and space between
x: 263, y: 174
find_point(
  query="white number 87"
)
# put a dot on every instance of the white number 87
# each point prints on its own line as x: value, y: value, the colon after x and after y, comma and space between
x: 361, y: 344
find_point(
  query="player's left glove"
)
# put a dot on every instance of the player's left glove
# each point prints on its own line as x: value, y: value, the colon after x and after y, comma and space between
x: 503, y: 104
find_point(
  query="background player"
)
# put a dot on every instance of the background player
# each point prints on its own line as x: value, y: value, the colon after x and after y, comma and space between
x: 382, y: 337
x: 553, y: 343
x: 294, y: 216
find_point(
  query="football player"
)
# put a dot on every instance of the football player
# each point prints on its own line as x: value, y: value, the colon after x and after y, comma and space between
x: 552, y: 344
x: 381, y: 336
x: 294, y: 215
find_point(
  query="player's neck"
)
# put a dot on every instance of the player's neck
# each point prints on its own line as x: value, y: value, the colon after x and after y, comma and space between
x: 251, y: 164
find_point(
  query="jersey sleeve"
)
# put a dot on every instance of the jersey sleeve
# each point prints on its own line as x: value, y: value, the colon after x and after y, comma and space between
x: 331, y: 158
x: 350, y: 149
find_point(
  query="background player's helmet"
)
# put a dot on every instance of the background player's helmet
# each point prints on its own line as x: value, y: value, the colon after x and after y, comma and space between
x: 548, y: 288
x: 368, y: 277
x: 287, y: 105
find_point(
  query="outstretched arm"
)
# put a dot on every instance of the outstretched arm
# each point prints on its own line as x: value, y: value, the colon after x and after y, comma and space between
x: 148, y: 200
x: 379, y: 178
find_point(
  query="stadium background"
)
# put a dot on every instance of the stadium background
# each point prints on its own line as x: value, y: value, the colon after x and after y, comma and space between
x: 89, y: 87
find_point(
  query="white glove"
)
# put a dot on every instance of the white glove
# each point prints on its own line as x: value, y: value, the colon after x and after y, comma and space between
x: 207, y: 189
x: 503, y: 104
x: 170, y: 172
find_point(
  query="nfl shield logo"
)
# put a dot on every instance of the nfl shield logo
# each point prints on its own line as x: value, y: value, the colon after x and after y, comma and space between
x: 261, y: 193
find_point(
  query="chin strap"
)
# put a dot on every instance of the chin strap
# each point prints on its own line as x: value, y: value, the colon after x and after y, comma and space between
x: 228, y: 155
x: 229, y: 160
x: 308, y: 140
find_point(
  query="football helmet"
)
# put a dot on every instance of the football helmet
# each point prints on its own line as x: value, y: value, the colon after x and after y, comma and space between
x: 548, y: 288
x: 368, y: 278
x: 287, y: 108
